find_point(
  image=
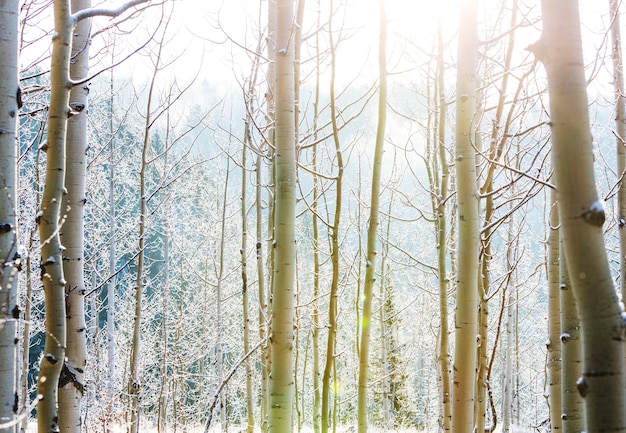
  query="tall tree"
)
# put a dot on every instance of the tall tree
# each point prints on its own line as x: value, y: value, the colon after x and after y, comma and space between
x: 50, y: 212
x: 582, y: 217
x: 464, y: 364
x: 439, y: 208
x: 48, y: 221
x: 72, y: 383
x: 282, y: 322
x: 554, y: 317
x: 10, y: 101
x: 620, y: 132
x: 372, y: 228
x: 333, y: 301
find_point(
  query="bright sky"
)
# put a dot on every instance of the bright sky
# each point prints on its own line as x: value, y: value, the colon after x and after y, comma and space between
x: 200, y: 30
x: 410, y: 22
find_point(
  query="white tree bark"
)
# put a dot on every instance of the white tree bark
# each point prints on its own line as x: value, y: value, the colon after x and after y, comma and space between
x: 582, y: 217
x: 9, y: 259
x: 71, y: 383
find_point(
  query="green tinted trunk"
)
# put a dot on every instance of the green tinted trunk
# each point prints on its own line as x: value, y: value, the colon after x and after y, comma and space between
x: 372, y: 229
x: 282, y: 332
x: 464, y: 367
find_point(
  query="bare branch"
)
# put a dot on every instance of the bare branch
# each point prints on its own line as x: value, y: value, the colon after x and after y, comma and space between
x: 95, y: 12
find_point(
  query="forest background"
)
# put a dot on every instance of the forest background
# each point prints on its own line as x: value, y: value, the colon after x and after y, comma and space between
x: 159, y: 278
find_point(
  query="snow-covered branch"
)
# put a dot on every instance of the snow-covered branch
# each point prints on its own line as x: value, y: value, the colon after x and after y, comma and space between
x: 95, y: 12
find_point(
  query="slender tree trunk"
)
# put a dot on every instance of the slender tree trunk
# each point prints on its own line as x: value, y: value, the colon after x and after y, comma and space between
x: 72, y: 382
x: 134, y: 383
x: 263, y: 317
x: 509, y: 355
x: 297, y: 49
x: 440, y: 225
x: 48, y: 220
x: 135, y: 379
x: 572, y: 416
x: 317, y: 397
x: 554, y: 318
x: 110, y: 309
x: 317, y: 387
x: 372, y: 229
x: 620, y: 133
x: 162, y: 406
x: 9, y: 258
x: 498, y: 139
x: 266, y: 271
x: 282, y: 323
x: 464, y: 366
x: 219, y: 321
x: 582, y: 218
x: 165, y: 300
x: 333, y: 303
x: 386, y: 327
x: 25, y: 367
x: 244, y: 276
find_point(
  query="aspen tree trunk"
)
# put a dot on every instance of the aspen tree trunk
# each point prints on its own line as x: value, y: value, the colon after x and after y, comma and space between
x: 582, y: 217
x: 620, y: 133
x: 317, y: 397
x: 387, y: 394
x: 265, y: 294
x: 498, y: 139
x: 572, y: 414
x: 25, y: 359
x: 333, y: 303
x: 134, y: 382
x: 554, y: 318
x: 297, y: 49
x: 72, y: 382
x: 244, y: 275
x: 135, y: 379
x: 372, y: 229
x: 48, y: 219
x: 464, y: 366
x: 440, y: 224
x: 282, y: 323
x: 165, y: 290
x: 219, y: 322
x: 263, y: 319
x: 509, y: 370
x: 9, y: 258
x: 110, y: 408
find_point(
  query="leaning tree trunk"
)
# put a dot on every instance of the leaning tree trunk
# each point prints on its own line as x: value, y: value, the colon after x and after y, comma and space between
x: 282, y: 323
x: 9, y: 259
x: 582, y: 217
x: 71, y: 383
x: 372, y: 229
x: 48, y: 221
x: 464, y: 365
